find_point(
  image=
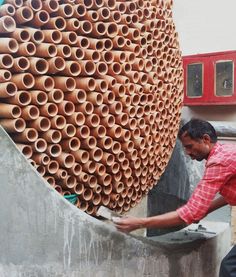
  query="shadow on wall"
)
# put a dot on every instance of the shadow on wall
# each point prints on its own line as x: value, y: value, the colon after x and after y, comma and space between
x: 174, y: 187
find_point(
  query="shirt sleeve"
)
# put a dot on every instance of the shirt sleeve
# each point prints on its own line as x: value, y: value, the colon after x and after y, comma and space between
x: 197, y: 206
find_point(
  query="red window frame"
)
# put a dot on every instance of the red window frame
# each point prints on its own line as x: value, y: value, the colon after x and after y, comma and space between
x: 209, y: 61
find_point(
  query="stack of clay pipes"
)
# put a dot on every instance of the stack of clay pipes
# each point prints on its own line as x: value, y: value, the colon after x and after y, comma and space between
x: 91, y: 92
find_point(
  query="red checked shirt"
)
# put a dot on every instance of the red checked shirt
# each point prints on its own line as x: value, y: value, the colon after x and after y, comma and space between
x: 219, y: 176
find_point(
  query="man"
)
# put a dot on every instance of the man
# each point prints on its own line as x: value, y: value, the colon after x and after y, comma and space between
x: 199, y: 140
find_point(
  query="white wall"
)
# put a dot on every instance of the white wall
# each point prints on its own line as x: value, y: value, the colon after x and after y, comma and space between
x: 205, y: 25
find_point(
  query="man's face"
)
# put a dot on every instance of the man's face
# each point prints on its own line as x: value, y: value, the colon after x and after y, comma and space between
x: 196, y: 149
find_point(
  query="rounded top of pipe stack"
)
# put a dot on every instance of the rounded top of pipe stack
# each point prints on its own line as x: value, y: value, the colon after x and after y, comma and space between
x: 101, y: 83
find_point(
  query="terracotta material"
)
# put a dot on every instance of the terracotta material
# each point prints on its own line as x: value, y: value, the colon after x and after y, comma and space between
x: 7, y: 9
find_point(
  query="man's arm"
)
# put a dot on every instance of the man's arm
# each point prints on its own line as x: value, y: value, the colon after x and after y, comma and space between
x: 128, y: 224
x: 216, y: 204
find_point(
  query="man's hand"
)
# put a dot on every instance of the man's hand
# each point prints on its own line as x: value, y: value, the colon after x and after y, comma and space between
x: 128, y: 224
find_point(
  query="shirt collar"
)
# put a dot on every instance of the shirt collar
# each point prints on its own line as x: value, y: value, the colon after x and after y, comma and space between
x: 213, y: 150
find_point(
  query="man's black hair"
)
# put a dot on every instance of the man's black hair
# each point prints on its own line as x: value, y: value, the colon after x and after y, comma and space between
x: 196, y: 128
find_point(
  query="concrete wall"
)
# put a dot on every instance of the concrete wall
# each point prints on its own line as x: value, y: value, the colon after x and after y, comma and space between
x: 43, y: 235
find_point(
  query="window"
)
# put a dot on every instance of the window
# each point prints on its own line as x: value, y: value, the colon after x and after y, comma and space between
x: 194, y: 81
x: 209, y: 79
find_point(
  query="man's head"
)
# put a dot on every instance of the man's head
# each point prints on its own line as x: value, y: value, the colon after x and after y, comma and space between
x: 198, y: 138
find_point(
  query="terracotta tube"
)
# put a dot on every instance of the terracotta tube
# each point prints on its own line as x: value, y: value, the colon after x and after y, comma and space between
x: 89, y: 143
x: 20, y: 64
x: 87, y: 67
x: 132, y: 124
x: 72, y: 68
x: 98, y: 29
x: 100, y: 170
x: 108, y: 158
x: 77, y: 53
x: 118, y: 56
x: 120, y: 156
x: 108, y: 45
x: 23, y: 80
x: 109, y: 56
x: 6, y: 61
x: 125, y: 136
x: 114, y: 68
x: 21, y: 35
x: 107, y: 191
x: 65, y: 160
x: 121, y: 119
x: 71, y: 144
x: 69, y: 38
x: 8, y: 89
x: 119, y: 90
x: 52, y: 36
x: 104, y: 14
x: 64, y: 83
x: 89, y: 167
x: 57, y: 22
x: 95, y: 98
x: 35, y: 5
x: 26, y: 49
x: 54, y: 150
x: 84, y: 42
x: 41, y: 124
x: 72, y: 24
x: 85, y: 27
x: 41, y: 158
x: 9, y: 45
x: 91, y: 16
x: 102, y: 110
x: 41, y: 169
x: 7, y: 9
x: 64, y: 50
x: 52, y: 136
x: 16, y: 3
x: 126, y: 101
x: 25, y: 149
x: 52, y: 167
x: 51, y: 181
x: 77, y: 119
x: 66, y: 108
x: 101, y: 68
x: 111, y: 29
x: 56, y: 64
x: 40, y: 19
x: 86, y: 83
x: 115, y: 108
x: 96, y: 154
x: 21, y: 98
x: 98, y: 131
x: 78, y: 189
x: 75, y: 170
x: 79, y: 10
x: 96, y: 199
x: 92, y: 120
x: 108, y: 121
x: 23, y: 15
x: 108, y: 97
x: 105, y: 142
x: 105, y: 200
x: 39, y: 146
x: 105, y: 180
x: 96, y: 44
x: 38, y: 66
x: 50, y: 6
x: 58, y: 122
x: 9, y: 111
x: 57, y: 188
x: 68, y: 131
x: 123, y: 30
x: 45, y: 83
x: 83, y: 132
x: 81, y: 156
x: 47, y: 50
x: 87, y: 194
x: 56, y: 96
x: 65, y: 10
x: 30, y: 112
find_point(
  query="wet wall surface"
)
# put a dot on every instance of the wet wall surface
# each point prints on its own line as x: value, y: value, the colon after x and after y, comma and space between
x: 41, y: 234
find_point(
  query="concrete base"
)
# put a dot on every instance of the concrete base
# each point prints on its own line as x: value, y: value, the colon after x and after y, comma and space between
x: 43, y: 235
